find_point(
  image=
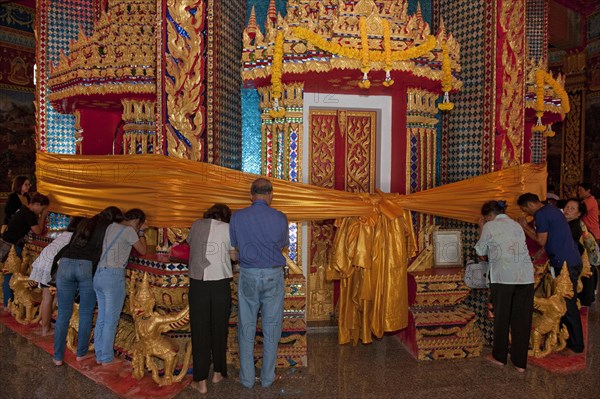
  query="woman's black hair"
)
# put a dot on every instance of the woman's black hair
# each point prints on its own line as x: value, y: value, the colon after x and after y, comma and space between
x: 74, y: 222
x: 218, y: 212
x: 135, y: 213
x: 582, y: 208
x: 112, y: 214
x: 86, y: 227
x: 494, y: 207
x: 18, y: 182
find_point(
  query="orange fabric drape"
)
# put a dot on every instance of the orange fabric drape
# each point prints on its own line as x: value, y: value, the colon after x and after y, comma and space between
x: 373, y: 243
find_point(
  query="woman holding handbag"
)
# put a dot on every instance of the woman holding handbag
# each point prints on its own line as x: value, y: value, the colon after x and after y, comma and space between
x: 109, y: 280
x: 502, y: 240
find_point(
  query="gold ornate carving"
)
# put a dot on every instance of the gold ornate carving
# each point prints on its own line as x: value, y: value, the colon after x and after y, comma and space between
x: 322, y: 148
x: 312, y: 28
x: 184, y: 89
x: 360, y: 151
x: 547, y: 332
x: 511, y: 115
x: 321, y: 173
x: 26, y: 300
x: 139, y: 135
x: 573, y: 143
x: 120, y: 50
x: 150, y: 342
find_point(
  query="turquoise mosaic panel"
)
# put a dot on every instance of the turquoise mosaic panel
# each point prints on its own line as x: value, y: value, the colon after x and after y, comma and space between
x: 251, y: 135
x: 64, y: 19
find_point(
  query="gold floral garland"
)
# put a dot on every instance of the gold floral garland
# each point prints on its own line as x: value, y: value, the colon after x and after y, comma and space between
x: 364, y: 54
x: 356, y: 54
x: 276, y: 72
x: 541, y: 78
x: 387, y: 51
x: 446, y: 104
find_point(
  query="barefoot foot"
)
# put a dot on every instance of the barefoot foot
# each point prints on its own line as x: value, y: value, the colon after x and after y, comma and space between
x: 200, y: 386
x: 217, y: 377
x: 489, y: 357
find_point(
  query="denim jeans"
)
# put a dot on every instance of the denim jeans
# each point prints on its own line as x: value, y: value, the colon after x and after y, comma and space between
x: 109, y: 285
x: 7, y: 293
x: 259, y: 288
x: 74, y: 275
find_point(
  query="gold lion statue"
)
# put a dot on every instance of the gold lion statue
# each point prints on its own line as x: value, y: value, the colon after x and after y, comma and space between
x: 150, y: 342
x: 547, y: 331
x: 25, y: 304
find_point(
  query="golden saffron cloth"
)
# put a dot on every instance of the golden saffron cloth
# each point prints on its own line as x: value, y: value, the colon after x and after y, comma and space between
x: 374, y: 240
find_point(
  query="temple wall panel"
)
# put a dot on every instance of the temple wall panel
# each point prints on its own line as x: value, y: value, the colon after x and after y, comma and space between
x: 224, y: 125
x: 186, y: 86
x: 467, y: 148
x: 58, y: 23
x: 510, y: 84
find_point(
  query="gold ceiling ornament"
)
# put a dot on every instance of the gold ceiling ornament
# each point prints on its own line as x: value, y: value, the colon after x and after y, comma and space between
x: 119, y: 57
x: 321, y: 36
x: 545, y: 94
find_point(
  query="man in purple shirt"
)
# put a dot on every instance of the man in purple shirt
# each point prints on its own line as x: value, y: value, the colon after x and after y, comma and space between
x: 259, y: 233
x: 553, y: 232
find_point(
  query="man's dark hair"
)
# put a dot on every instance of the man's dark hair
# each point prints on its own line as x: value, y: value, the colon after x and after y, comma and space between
x: 586, y: 186
x: 40, y: 199
x: 526, y: 198
x: 218, y: 212
x: 261, y: 186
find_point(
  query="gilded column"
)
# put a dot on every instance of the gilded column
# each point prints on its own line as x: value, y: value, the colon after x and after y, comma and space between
x: 185, y: 86
x: 510, y: 83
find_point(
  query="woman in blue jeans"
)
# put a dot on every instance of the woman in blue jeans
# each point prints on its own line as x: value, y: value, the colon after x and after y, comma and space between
x: 109, y: 280
x: 75, y: 274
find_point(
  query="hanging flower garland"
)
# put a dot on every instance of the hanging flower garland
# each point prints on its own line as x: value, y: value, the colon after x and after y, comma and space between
x: 446, y: 104
x: 364, y: 54
x: 353, y: 53
x: 276, y: 71
x: 387, y: 51
x: 541, y: 78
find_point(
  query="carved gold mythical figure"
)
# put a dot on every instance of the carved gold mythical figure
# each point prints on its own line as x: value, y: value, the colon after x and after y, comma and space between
x: 25, y: 304
x: 547, y: 332
x: 150, y: 342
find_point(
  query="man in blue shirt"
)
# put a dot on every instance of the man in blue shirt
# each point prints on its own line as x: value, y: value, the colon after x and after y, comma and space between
x: 259, y: 233
x: 553, y: 232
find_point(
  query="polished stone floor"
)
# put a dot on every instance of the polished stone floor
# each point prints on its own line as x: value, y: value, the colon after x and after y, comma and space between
x: 380, y: 370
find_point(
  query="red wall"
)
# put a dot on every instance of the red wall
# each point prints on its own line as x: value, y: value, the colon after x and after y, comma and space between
x: 99, y: 130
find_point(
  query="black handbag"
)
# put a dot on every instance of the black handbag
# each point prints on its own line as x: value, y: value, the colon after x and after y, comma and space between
x: 4, y: 250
